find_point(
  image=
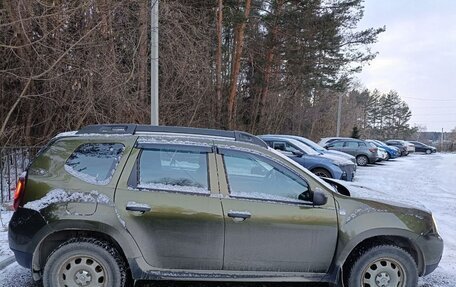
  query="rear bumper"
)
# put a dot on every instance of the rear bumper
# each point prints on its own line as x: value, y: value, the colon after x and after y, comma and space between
x: 24, y: 259
x: 373, y: 159
x: 23, y: 229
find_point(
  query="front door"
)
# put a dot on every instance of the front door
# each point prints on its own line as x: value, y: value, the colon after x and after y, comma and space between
x: 170, y: 205
x: 269, y: 225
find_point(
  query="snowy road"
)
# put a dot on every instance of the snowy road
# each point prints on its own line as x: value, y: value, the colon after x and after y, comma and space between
x: 428, y: 180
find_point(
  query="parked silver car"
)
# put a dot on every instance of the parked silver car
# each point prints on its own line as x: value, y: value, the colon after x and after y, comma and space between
x: 363, y: 152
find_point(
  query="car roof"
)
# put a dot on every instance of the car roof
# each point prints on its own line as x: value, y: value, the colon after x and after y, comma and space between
x: 348, y: 139
x: 143, y: 130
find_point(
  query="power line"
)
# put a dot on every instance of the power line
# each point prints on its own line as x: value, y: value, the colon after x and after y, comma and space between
x: 432, y: 100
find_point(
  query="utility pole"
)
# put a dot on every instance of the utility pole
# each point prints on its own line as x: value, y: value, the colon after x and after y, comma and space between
x: 154, y: 63
x: 441, y: 141
x: 339, y: 111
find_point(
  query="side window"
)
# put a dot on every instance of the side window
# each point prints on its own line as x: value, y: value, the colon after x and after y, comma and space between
x: 351, y: 144
x: 361, y: 144
x: 95, y: 163
x: 284, y: 146
x: 173, y: 170
x: 251, y: 176
x: 338, y: 144
x: 279, y: 146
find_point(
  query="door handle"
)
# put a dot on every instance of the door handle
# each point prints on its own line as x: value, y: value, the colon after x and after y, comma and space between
x: 239, y: 216
x: 137, y: 207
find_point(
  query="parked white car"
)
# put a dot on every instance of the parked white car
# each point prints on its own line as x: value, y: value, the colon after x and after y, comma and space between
x: 410, y: 147
x: 382, y: 154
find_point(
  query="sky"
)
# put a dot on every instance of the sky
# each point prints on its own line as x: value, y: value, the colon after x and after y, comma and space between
x: 417, y: 57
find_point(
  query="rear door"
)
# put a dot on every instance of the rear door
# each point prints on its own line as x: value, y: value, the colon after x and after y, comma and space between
x: 269, y: 225
x: 168, y: 200
x: 351, y: 147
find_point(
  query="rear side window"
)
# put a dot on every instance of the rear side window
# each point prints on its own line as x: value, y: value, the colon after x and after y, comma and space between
x: 95, y: 163
x: 351, y: 144
x: 173, y: 170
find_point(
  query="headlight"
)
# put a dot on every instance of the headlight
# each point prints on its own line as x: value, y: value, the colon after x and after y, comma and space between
x: 436, y: 230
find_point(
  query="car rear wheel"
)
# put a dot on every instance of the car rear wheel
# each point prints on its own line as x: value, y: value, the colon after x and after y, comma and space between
x: 428, y: 151
x: 384, y: 266
x: 85, y: 262
x: 322, y: 172
x: 362, y: 160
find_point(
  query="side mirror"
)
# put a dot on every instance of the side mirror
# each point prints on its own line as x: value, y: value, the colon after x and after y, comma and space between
x: 340, y: 188
x: 327, y: 146
x: 319, y: 198
x: 298, y: 153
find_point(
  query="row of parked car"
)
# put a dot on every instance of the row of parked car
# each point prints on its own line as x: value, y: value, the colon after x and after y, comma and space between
x: 338, y: 157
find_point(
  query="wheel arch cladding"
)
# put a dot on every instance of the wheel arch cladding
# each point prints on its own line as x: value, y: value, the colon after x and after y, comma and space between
x: 54, y: 240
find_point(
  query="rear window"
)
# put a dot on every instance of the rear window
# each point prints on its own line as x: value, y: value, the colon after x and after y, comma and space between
x: 95, y: 163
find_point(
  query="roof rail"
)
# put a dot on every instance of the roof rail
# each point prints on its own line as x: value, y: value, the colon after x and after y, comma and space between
x: 125, y: 129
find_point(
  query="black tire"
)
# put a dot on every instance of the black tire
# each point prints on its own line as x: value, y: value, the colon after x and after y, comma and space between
x: 321, y: 172
x: 91, y: 261
x: 362, y: 160
x: 384, y: 265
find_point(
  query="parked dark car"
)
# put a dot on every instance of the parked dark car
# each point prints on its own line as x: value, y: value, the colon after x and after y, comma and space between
x: 402, y: 145
x: 362, y: 151
x: 111, y: 205
x: 318, y: 163
x: 421, y: 147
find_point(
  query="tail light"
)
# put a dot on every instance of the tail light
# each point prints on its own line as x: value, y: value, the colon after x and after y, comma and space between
x: 19, y: 193
x: 374, y: 150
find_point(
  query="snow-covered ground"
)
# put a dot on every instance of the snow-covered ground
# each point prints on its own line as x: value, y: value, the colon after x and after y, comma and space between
x: 427, y: 180
x: 5, y: 217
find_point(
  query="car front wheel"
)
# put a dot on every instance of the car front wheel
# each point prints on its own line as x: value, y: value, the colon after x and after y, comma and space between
x: 322, y: 172
x: 85, y: 262
x: 384, y: 266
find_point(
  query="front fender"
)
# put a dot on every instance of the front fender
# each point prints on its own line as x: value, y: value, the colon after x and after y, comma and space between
x: 363, y: 219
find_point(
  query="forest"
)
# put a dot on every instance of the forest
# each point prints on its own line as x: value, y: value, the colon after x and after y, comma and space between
x: 260, y: 66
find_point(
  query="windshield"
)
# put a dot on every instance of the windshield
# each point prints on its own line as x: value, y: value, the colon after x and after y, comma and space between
x: 310, y: 143
x: 305, y: 148
x: 319, y: 180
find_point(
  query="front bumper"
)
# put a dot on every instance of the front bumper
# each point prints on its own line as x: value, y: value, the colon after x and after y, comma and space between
x: 431, y: 246
x: 349, y: 172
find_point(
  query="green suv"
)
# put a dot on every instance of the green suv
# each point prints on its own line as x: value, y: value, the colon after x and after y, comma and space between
x: 111, y: 205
